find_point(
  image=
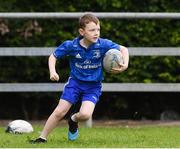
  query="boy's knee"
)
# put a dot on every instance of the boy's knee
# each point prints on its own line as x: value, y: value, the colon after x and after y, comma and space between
x: 59, y: 114
x: 85, y: 116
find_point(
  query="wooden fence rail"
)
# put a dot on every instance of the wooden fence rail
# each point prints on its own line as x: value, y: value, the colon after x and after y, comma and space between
x: 106, y: 87
x: 71, y: 15
x: 46, y: 51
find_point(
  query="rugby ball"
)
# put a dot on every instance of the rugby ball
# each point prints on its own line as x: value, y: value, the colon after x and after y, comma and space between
x: 19, y: 127
x: 111, y: 60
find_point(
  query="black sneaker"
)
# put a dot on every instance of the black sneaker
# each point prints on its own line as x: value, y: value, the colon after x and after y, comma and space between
x: 38, y: 140
x: 73, y: 130
x: 73, y: 126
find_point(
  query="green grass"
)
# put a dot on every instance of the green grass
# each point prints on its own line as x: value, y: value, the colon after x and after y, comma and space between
x: 102, y: 137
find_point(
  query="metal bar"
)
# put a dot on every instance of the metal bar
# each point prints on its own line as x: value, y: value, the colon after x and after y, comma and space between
x: 26, y: 51
x: 141, y: 87
x: 74, y: 15
x: 46, y: 51
x: 31, y: 87
x: 157, y: 51
x: 106, y: 87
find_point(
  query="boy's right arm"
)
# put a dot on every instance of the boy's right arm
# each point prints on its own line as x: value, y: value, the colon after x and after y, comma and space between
x: 52, y: 68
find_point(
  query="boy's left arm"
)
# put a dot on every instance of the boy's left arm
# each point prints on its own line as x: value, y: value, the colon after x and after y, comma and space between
x: 125, y: 55
x: 124, y: 66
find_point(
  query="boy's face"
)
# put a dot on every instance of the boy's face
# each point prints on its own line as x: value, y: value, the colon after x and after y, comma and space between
x: 91, y: 32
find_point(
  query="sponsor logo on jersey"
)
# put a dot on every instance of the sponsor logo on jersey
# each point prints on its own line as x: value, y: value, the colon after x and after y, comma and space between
x: 88, y: 66
x: 87, y: 62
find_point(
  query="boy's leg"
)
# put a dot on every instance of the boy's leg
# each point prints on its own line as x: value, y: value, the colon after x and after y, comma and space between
x: 60, y: 111
x: 85, y: 112
x: 53, y: 120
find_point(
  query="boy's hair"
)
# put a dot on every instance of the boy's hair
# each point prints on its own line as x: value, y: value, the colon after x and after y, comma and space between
x: 87, y: 18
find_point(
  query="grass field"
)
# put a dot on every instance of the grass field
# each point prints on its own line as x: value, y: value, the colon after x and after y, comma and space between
x: 99, y: 137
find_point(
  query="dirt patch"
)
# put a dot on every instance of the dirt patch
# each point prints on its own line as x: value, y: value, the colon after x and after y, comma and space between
x: 132, y: 123
x: 123, y: 123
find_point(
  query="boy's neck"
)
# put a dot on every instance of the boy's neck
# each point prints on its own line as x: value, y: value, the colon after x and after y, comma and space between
x: 84, y: 43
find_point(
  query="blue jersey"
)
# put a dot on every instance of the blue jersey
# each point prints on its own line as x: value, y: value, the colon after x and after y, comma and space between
x: 85, y: 64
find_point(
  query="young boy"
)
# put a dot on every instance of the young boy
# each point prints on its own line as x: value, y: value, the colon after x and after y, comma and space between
x: 85, y: 53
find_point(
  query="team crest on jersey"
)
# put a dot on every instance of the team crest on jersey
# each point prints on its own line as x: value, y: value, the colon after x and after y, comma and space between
x: 96, y: 54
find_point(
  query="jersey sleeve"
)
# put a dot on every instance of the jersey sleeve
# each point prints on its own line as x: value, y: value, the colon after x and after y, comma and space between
x: 111, y: 45
x: 63, y: 49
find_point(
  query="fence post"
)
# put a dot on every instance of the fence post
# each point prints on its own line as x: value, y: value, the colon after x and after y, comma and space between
x: 89, y: 122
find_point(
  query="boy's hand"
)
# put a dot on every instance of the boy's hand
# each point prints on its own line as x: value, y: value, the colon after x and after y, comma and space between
x: 54, y: 76
x: 122, y: 67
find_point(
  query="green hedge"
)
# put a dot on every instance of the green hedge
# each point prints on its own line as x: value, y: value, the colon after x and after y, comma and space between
x: 52, y: 32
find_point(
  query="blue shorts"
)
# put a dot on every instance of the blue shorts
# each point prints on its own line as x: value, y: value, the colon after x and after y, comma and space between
x: 75, y: 90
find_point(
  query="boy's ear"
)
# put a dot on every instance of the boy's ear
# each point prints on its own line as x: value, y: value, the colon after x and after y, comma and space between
x: 81, y: 31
